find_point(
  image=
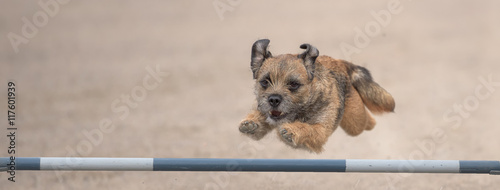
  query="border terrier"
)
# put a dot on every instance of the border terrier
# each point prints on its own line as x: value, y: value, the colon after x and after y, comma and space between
x: 306, y: 96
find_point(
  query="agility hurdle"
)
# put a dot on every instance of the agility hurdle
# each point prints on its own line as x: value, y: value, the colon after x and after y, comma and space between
x: 250, y: 165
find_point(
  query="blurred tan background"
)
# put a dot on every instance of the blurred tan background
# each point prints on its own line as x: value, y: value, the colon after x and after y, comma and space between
x: 434, y: 57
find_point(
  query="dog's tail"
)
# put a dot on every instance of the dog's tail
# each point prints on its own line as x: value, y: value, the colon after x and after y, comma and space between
x: 376, y: 99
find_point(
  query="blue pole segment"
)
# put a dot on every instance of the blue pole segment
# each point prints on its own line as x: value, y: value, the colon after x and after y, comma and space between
x: 28, y: 163
x: 475, y: 166
x: 247, y: 165
x: 19, y: 163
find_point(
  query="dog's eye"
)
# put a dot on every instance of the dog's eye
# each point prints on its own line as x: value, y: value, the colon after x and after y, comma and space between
x: 264, y: 83
x: 293, y: 86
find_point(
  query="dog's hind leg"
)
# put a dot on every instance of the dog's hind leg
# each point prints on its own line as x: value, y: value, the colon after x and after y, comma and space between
x: 356, y: 118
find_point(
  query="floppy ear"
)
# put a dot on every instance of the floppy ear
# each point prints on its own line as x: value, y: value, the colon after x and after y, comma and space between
x: 309, y: 56
x: 259, y: 54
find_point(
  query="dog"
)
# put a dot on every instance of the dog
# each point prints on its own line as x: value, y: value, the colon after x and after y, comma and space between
x: 306, y: 97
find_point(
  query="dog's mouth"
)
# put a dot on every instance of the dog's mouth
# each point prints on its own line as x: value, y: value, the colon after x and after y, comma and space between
x: 276, y: 115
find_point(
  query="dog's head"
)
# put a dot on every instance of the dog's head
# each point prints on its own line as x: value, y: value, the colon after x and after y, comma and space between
x: 284, y: 82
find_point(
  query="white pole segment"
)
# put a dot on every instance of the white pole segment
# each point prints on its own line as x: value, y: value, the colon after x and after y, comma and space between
x: 403, y: 166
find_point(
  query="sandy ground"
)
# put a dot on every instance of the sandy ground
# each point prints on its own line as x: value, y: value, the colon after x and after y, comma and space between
x: 73, y: 70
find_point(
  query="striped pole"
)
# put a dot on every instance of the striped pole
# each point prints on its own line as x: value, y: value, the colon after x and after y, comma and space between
x: 249, y: 165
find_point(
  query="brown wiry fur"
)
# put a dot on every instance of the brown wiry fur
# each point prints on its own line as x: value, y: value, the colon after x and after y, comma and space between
x: 330, y: 92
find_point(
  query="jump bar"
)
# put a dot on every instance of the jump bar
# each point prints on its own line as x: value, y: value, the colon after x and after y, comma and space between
x: 250, y: 165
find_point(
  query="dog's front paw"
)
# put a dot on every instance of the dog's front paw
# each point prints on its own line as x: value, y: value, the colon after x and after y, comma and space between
x: 287, y: 136
x: 248, y: 127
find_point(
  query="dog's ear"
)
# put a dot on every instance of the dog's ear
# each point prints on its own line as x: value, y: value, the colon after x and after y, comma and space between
x: 309, y: 56
x: 259, y: 54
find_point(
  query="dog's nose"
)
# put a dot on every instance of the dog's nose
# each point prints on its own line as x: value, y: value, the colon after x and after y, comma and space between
x: 275, y: 100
